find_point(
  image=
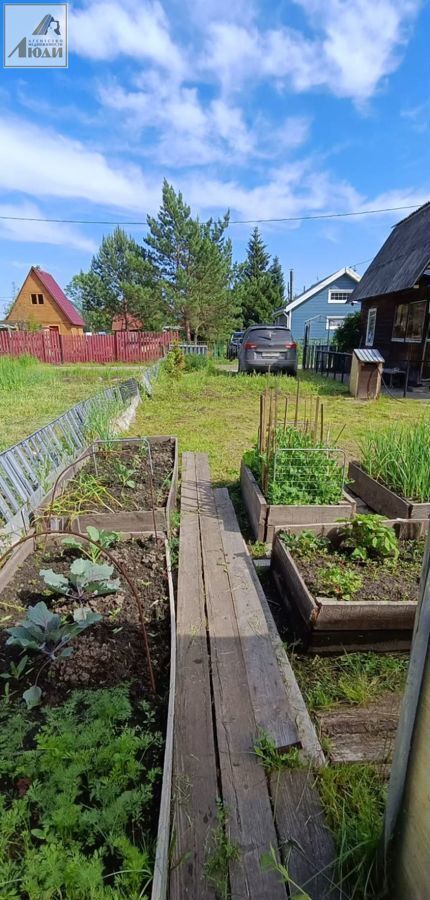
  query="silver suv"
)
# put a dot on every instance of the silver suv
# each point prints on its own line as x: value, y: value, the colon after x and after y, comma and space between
x: 268, y: 348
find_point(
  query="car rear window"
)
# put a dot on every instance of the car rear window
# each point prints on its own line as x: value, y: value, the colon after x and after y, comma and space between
x: 275, y: 332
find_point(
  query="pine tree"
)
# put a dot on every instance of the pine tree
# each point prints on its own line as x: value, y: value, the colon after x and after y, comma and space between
x: 278, y: 279
x: 193, y: 262
x: 258, y: 292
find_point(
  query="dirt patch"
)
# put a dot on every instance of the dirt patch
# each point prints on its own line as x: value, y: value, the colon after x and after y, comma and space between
x: 124, y: 476
x: 380, y: 580
x: 111, y: 651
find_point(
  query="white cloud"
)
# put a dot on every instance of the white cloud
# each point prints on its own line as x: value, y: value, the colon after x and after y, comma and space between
x: 40, y: 232
x: 44, y: 163
x: 350, y: 48
x: 107, y: 29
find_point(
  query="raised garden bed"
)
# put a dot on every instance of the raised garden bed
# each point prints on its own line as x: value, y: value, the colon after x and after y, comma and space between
x: 266, y: 518
x: 382, y: 499
x: 111, y: 488
x: 83, y: 816
x: 339, y: 601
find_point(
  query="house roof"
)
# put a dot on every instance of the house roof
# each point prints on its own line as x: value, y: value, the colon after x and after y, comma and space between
x: 401, y: 260
x: 59, y: 296
x: 315, y: 288
x: 133, y: 323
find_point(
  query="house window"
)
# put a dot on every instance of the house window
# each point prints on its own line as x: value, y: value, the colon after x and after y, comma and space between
x: 40, y: 298
x: 409, y: 321
x: 371, y: 325
x: 34, y: 299
x: 339, y: 296
x: 333, y: 322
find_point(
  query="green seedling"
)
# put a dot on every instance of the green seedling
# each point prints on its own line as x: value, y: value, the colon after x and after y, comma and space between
x: 104, y: 539
x: 16, y: 670
x: 305, y: 544
x: 368, y: 537
x: 270, y: 861
x: 123, y: 474
x: 85, y: 579
x: 340, y: 581
x: 43, y: 632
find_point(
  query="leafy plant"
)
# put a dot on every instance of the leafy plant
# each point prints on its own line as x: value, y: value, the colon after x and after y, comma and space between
x: 399, y: 457
x: 305, y: 544
x: 45, y: 633
x: 174, y: 364
x: 105, y: 539
x: 123, y: 474
x: 85, y: 579
x: 221, y: 852
x: 301, y: 470
x: 80, y: 824
x: 340, y: 581
x: 274, y: 760
x: 258, y: 550
x: 368, y: 537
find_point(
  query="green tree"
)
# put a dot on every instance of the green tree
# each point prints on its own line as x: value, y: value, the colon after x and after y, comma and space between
x: 347, y: 336
x: 192, y: 260
x: 120, y: 281
x: 257, y: 288
x: 278, y: 279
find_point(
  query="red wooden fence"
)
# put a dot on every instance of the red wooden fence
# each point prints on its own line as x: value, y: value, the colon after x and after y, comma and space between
x: 124, y: 346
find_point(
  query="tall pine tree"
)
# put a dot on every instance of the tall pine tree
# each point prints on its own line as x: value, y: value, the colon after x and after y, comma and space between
x: 259, y: 294
x: 278, y: 279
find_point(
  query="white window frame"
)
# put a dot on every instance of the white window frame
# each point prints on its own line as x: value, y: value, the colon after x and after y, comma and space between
x: 339, y: 320
x: 371, y: 313
x: 339, y: 291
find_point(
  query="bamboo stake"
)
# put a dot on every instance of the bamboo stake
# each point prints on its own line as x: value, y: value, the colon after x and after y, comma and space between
x: 286, y: 413
x: 297, y: 404
x: 317, y: 413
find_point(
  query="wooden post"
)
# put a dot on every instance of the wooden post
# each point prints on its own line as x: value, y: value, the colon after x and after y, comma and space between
x: 286, y: 413
x: 407, y: 816
x: 317, y: 414
x: 297, y: 404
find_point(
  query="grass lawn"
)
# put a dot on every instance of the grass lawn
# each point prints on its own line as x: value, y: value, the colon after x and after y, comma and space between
x: 32, y: 393
x: 217, y: 412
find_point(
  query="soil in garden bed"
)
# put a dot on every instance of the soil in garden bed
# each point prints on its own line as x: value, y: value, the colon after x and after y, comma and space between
x: 124, y: 476
x: 85, y: 816
x: 380, y: 580
x: 111, y: 651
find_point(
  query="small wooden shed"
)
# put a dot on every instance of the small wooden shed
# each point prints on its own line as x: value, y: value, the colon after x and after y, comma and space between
x: 395, y: 292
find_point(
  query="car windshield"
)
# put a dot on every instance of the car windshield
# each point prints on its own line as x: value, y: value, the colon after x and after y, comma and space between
x: 274, y: 331
x: 236, y: 334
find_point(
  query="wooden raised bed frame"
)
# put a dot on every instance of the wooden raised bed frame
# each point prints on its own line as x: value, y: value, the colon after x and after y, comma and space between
x: 161, y: 862
x: 131, y: 522
x: 383, y: 500
x: 267, y: 518
x: 330, y: 623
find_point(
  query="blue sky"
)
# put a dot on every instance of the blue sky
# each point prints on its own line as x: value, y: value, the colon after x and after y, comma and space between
x: 270, y: 109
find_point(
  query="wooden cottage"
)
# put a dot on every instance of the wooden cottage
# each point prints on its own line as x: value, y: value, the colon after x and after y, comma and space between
x: 395, y: 295
x: 42, y: 304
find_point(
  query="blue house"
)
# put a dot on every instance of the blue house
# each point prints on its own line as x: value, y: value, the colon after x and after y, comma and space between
x: 322, y: 308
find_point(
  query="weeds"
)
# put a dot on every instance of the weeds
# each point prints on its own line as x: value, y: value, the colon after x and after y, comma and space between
x: 258, y: 550
x: 272, y: 759
x: 220, y: 853
x: 340, y: 582
x: 353, y: 678
x: 353, y: 799
x: 271, y: 862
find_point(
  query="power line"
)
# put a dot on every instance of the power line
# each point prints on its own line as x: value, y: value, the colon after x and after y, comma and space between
x: 367, y: 212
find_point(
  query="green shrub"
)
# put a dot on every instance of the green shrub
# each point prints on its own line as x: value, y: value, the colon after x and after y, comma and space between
x: 399, y: 457
x: 174, y: 364
x: 194, y: 361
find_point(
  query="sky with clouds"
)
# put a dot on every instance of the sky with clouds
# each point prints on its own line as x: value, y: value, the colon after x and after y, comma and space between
x: 269, y: 109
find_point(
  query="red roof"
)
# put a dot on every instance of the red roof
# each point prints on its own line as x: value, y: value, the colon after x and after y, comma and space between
x: 133, y: 323
x: 59, y: 296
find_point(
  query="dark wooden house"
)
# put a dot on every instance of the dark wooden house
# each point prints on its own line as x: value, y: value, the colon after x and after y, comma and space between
x: 395, y: 295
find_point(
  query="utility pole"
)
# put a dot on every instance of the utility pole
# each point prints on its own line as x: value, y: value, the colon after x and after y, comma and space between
x: 291, y: 286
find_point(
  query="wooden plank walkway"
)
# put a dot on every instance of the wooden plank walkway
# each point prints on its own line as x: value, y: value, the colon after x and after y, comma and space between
x: 229, y: 688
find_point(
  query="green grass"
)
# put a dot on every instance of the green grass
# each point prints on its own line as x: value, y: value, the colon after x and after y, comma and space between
x: 353, y: 798
x: 353, y: 678
x: 33, y: 393
x: 218, y: 413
